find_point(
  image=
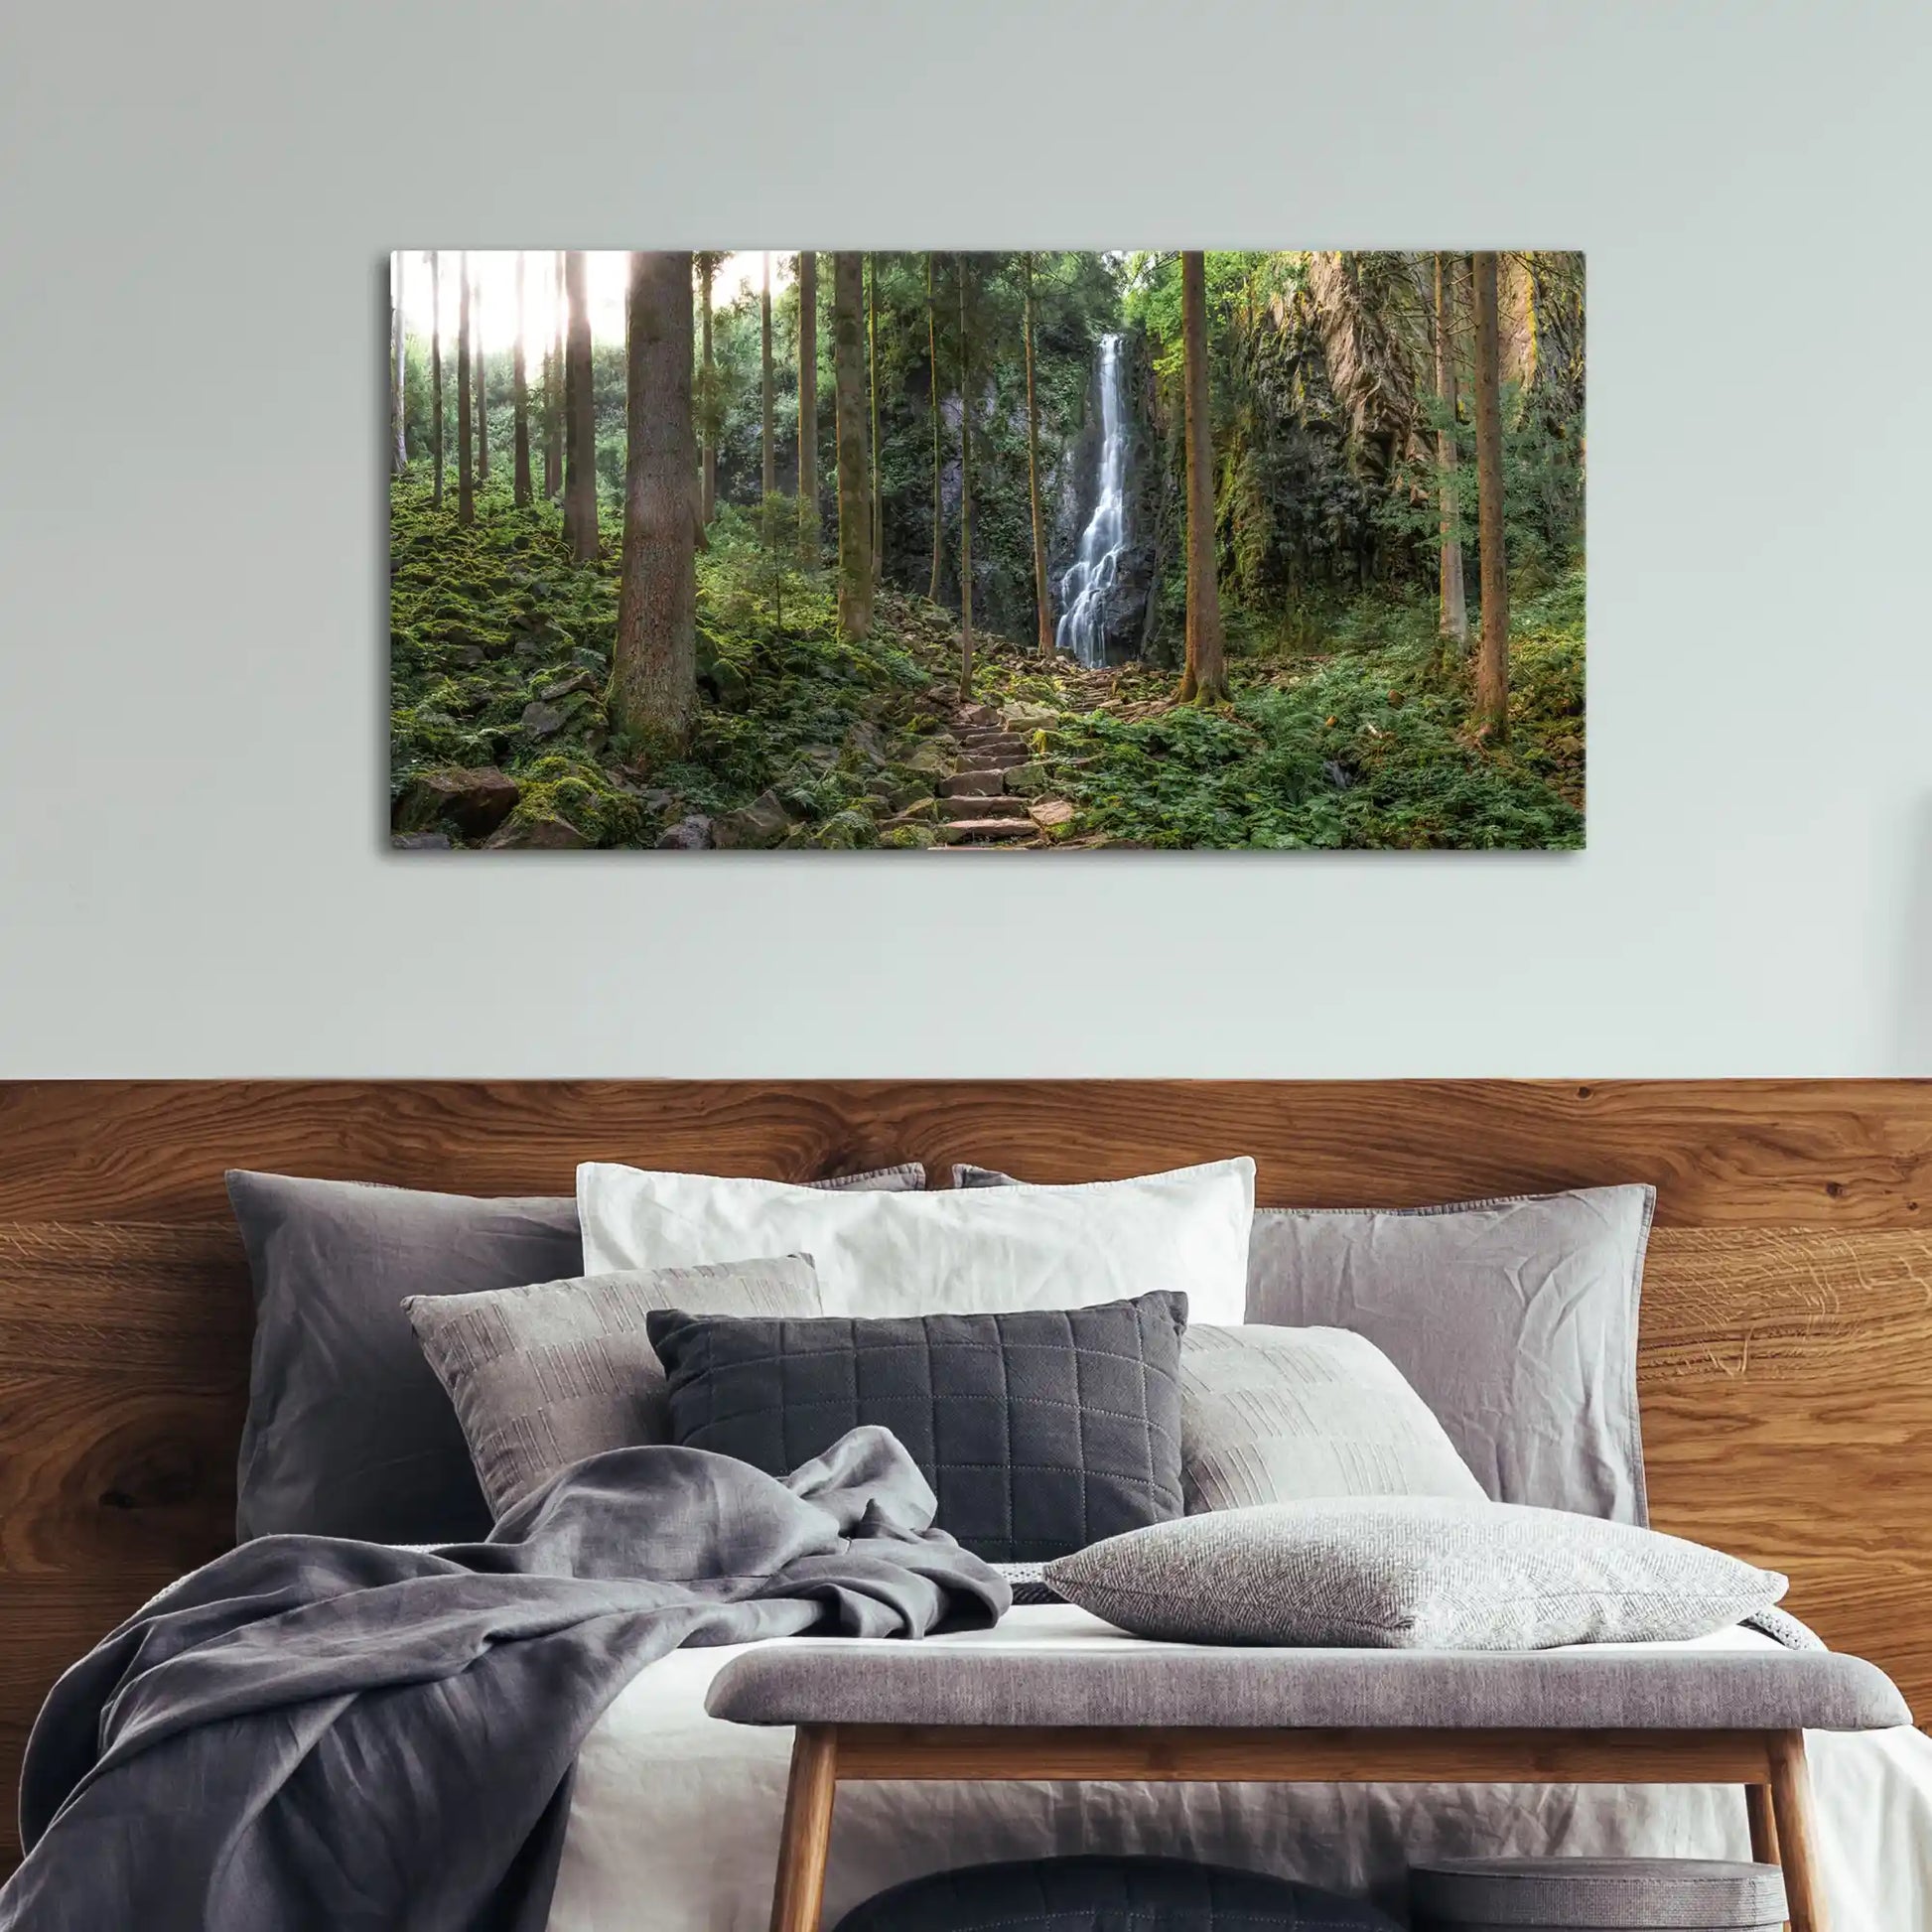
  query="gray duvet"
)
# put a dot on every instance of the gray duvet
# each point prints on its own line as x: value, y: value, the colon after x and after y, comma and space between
x: 310, y: 1732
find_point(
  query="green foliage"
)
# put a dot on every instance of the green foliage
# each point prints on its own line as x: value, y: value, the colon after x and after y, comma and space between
x: 1367, y: 745
x: 1077, y: 298
x: 1347, y: 729
x: 485, y: 622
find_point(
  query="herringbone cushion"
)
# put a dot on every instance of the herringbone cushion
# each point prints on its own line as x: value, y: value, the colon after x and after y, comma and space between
x: 1110, y: 1895
x: 1040, y: 1432
x: 1411, y: 1573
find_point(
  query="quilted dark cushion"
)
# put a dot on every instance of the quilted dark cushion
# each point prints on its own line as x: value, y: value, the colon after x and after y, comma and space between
x: 1040, y: 1432
x: 1103, y: 1894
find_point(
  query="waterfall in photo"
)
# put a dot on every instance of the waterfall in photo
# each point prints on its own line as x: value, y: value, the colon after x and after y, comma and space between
x: 1082, y: 631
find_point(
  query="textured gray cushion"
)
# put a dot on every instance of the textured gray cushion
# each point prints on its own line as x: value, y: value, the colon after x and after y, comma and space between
x: 1410, y: 1574
x: 1515, y: 1320
x: 542, y: 1376
x: 1598, y: 1893
x: 1076, y: 1681
x: 1039, y: 1431
x: 1110, y: 1895
x: 347, y: 1433
x: 1282, y: 1414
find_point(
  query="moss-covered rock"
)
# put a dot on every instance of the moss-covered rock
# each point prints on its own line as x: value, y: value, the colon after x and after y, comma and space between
x: 757, y: 826
x: 537, y: 832
x: 605, y: 809
x: 690, y: 834
x: 935, y: 759
x: 472, y: 800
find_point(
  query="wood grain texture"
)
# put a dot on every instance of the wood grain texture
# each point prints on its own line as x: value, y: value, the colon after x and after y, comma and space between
x: 1785, y: 1379
x: 1797, y: 1833
x: 799, y: 1897
x: 1761, y: 1823
x: 1786, y: 1363
x: 1810, y: 1152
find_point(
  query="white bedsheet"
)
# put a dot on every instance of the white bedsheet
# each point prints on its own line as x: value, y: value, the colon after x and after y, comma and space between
x: 674, y: 1821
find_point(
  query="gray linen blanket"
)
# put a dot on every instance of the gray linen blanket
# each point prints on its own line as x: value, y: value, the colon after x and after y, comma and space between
x: 310, y: 1732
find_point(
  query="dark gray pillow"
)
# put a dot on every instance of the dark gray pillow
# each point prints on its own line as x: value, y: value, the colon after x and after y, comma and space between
x: 1040, y: 1432
x: 1514, y: 1319
x: 544, y: 1375
x: 1096, y: 1892
x: 347, y: 1431
x: 1411, y: 1573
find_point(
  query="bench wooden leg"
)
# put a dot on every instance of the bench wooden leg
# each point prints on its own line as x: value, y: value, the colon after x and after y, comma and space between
x: 1765, y: 1824
x: 798, y: 1899
x: 1796, y: 1835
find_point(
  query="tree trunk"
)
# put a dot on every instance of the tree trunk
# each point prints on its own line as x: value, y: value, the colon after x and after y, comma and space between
x: 811, y: 540
x: 708, y: 461
x: 1206, y: 679
x: 465, y: 500
x: 553, y: 453
x: 399, y: 378
x: 580, y: 432
x: 964, y: 264
x: 1493, y: 656
x: 770, y: 477
x: 436, y: 367
x: 1043, y: 601
x: 483, y: 392
x: 1454, y: 613
x: 849, y: 392
x: 544, y: 420
x: 932, y: 367
x: 520, y: 395
x: 654, y: 664
x: 872, y: 367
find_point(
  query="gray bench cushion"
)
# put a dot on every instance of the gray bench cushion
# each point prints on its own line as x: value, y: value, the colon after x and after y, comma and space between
x: 1609, y: 1688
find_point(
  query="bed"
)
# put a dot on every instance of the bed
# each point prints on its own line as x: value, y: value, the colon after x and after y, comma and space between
x: 713, y: 1795
x: 1786, y: 1370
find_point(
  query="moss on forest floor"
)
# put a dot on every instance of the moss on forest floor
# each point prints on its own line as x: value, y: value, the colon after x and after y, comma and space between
x: 500, y: 648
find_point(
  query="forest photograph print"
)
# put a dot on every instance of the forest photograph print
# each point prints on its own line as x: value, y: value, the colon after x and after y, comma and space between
x: 1035, y: 551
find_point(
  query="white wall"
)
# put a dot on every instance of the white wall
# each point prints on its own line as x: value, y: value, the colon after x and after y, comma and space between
x: 195, y: 205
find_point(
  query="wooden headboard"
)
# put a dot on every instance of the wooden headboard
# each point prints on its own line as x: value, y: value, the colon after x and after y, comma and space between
x: 1786, y: 1364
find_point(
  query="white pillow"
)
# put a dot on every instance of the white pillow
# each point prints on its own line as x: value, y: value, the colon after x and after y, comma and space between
x: 978, y: 1251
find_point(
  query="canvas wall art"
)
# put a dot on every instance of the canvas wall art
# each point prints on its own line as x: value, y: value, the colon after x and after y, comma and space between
x: 940, y: 552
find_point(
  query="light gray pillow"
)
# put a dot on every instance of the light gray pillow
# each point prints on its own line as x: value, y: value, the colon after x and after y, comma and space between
x: 543, y: 1375
x: 1285, y: 1415
x: 1409, y: 1573
x: 1514, y: 1319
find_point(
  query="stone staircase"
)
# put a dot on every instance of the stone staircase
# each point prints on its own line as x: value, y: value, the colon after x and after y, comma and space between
x: 975, y: 807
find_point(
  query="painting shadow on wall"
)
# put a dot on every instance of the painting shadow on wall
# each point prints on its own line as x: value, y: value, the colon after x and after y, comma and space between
x: 1913, y: 1054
